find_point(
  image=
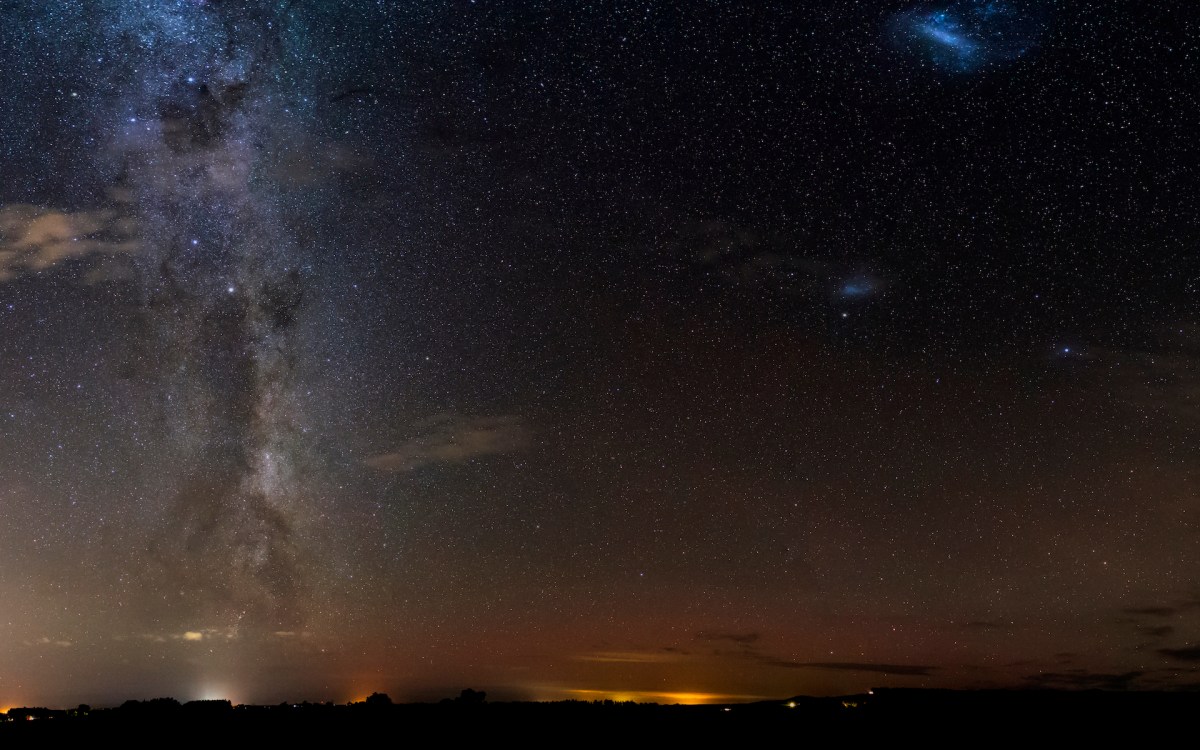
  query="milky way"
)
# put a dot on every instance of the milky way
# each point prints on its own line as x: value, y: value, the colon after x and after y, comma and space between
x: 222, y: 281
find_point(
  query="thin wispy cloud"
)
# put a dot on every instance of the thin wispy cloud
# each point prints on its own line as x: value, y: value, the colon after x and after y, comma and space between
x: 632, y: 657
x: 1082, y: 679
x: 453, y: 439
x: 34, y: 239
x: 901, y: 670
x: 744, y: 639
x: 48, y: 641
x: 1187, y: 653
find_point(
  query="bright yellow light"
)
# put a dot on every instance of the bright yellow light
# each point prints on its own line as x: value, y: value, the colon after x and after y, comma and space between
x: 653, y: 696
x: 791, y: 704
x: 211, y: 691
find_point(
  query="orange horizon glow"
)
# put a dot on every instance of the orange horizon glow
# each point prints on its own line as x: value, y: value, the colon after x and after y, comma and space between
x: 687, y: 698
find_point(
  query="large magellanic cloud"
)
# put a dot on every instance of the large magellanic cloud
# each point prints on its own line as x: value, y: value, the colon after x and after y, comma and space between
x: 967, y: 36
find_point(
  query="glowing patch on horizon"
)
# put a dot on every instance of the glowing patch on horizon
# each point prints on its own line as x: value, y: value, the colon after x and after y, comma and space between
x: 656, y: 696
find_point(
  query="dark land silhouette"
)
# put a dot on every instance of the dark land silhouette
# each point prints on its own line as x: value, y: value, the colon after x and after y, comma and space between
x: 944, y: 714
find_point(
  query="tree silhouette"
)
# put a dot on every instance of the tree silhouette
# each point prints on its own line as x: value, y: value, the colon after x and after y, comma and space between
x: 471, y: 697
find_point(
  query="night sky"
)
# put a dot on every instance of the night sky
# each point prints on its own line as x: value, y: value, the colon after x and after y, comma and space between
x: 692, y: 351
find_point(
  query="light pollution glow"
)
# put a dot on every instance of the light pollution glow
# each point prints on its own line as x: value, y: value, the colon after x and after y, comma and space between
x: 653, y: 696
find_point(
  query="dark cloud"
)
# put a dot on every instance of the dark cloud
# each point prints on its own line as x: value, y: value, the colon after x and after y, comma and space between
x: 906, y: 670
x: 744, y: 258
x: 984, y: 625
x: 314, y: 163
x: 633, y: 657
x: 1161, y: 376
x: 1151, y: 611
x: 1187, y: 653
x: 749, y: 651
x: 1084, y: 680
x: 744, y: 639
x: 1156, y: 631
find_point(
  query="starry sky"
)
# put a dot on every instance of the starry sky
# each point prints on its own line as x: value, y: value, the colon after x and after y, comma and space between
x: 693, y: 351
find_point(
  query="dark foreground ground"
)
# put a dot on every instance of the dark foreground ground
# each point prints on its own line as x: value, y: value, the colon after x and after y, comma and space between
x: 932, y: 717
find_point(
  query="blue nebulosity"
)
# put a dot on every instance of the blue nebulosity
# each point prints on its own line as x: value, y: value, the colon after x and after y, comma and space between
x: 858, y: 287
x: 946, y: 31
x: 967, y: 35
